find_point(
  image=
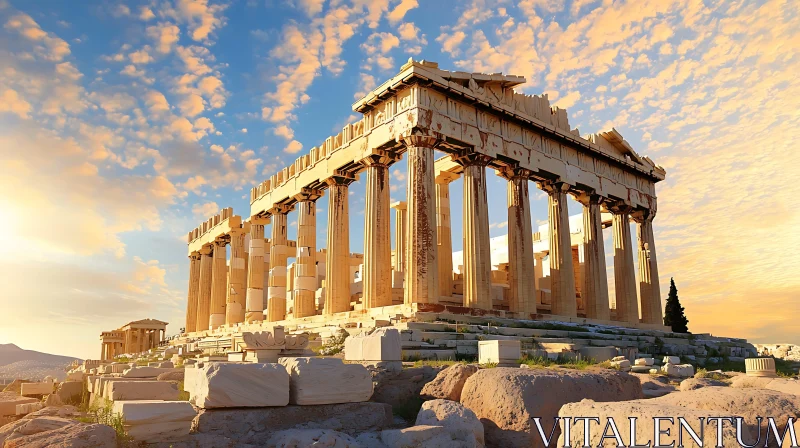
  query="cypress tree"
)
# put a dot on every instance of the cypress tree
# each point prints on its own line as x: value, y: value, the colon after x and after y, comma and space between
x: 673, y: 312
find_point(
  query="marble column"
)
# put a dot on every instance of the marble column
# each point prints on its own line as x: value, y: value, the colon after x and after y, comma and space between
x: 400, y: 231
x: 337, y: 262
x: 237, y: 279
x: 421, y: 269
x: 444, y: 235
x: 377, y: 281
x: 267, y: 251
x: 595, y: 282
x: 649, y: 288
x: 194, y: 287
x: 562, y: 275
x: 276, y: 293
x: 521, y: 273
x: 128, y: 345
x: 624, y: 271
x: 204, y: 290
x: 477, y: 251
x: 305, y: 266
x: 255, y: 273
x: 219, y: 282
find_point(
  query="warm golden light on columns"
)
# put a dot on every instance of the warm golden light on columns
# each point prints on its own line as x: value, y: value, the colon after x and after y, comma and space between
x: 276, y: 294
x: 204, y: 289
x: 444, y: 233
x: 305, y: 266
x: 624, y: 271
x: 400, y: 234
x: 477, y: 250
x: 219, y: 282
x: 521, y: 275
x: 337, y: 263
x: 194, y: 288
x: 421, y: 270
x: 649, y: 288
x: 377, y: 228
x: 237, y: 276
x: 255, y: 271
x: 562, y: 277
x: 595, y: 282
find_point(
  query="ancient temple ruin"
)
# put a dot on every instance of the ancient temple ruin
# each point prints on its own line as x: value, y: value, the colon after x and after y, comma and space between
x: 133, y: 337
x: 481, y: 124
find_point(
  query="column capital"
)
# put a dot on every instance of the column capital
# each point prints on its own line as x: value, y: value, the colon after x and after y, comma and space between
x: 340, y: 178
x: 641, y: 215
x: 420, y: 141
x: 259, y: 220
x: 618, y: 207
x: 280, y: 209
x: 221, y: 242
x: 308, y: 195
x: 514, y: 172
x: 194, y: 255
x: 587, y: 198
x: 381, y: 158
x: 553, y: 186
x: 205, y: 250
x: 472, y: 159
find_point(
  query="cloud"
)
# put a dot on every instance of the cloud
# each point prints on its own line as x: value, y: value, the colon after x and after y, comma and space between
x: 141, y: 56
x: 366, y: 84
x: 205, y: 211
x: 156, y: 101
x: 146, y: 14
x: 165, y: 35
x: 12, y: 102
x: 293, y: 147
x: 568, y: 100
x: 201, y: 17
x: 400, y: 10
x: 52, y: 47
x: 284, y: 131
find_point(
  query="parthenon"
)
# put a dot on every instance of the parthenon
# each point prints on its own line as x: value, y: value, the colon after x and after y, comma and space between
x: 479, y: 122
x: 133, y: 337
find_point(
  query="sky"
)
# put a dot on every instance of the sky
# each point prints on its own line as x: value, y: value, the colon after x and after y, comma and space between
x: 123, y: 125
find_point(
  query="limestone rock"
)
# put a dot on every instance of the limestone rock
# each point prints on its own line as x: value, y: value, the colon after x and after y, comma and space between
x: 54, y: 432
x: 175, y: 375
x: 156, y: 421
x: 506, y: 399
x: 679, y: 370
x: 697, y: 383
x: 141, y: 390
x: 383, y: 344
x: 43, y: 388
x: 747, y: 402
x: 15, y: 386
x: 461, y: 423
x: 223, y: 385
x: 623, y: 365
x: 9, y: 402
x: 399, y: 388
x: 144, y: 372
x: 70, y: 391
x: 645, y: 410
x: 671, y: 360
x: 292, y: 438
x: 254, y: 425
x: 53, y: 400
x: 449, y: 382
x: 743, y: 381
x: 327, y: 381
x: 419, y: 437
x: 644, y: 361
x: 785, y: 385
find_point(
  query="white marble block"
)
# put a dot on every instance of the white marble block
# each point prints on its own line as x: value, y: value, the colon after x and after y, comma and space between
x: 141, y: 390
x: 381, y: 345
x: 327, y: 381
x: 503, y: 353
x: 156, y: 421
x: 45, y: 388
x: 144, y: 372
x: 671, y: 360
x: 227, y: 385
x: 645, y: 361
x: 679, y: 370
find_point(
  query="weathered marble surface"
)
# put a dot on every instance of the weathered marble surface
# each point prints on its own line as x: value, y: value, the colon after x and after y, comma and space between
x: 327, y: 381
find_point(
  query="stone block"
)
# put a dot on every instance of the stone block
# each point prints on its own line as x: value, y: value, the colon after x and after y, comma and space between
x: 679, y: 370
x: 9, y: 403
x: 383, y: 344
x: 671, y: 360
x: 45, y: 388
x: 144, y: 372
x: 27, y: 408
x: 224, y: 385
x: 504, y: 353
x: 598, y: 354
x: 262, y: 356
x: 156, y: 421
x: 623, y: 365
x: 75, y: 376
x: 640, y: 369
x: 141, y: 390
x: 70, y: 391
x: 644, y: 361
x: 326, y: 381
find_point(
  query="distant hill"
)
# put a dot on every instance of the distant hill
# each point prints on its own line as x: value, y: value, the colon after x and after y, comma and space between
x: 29, y: 364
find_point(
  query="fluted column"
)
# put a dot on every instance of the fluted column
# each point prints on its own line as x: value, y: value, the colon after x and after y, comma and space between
x: 421, y: 270
x: 595, y: 282
x: 255, y: 273
x: 219, y: 282
x: 649, y: 288
x: 337, y: 262
x: 400, y: 234
x: 624, y: 272
x: 562, y: 275
x: 276, y: 294
x: 305, y: 266
x: 267, y: 251
x: 204, y: 290
x: 521, y: 276
x: 237, y: 277
x: 194, y: 287
x: 477, y: 251
x: 444, y: 234
x: 377, y: 281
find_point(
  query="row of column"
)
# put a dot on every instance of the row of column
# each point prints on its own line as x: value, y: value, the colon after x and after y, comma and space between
x: 424, y: 250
